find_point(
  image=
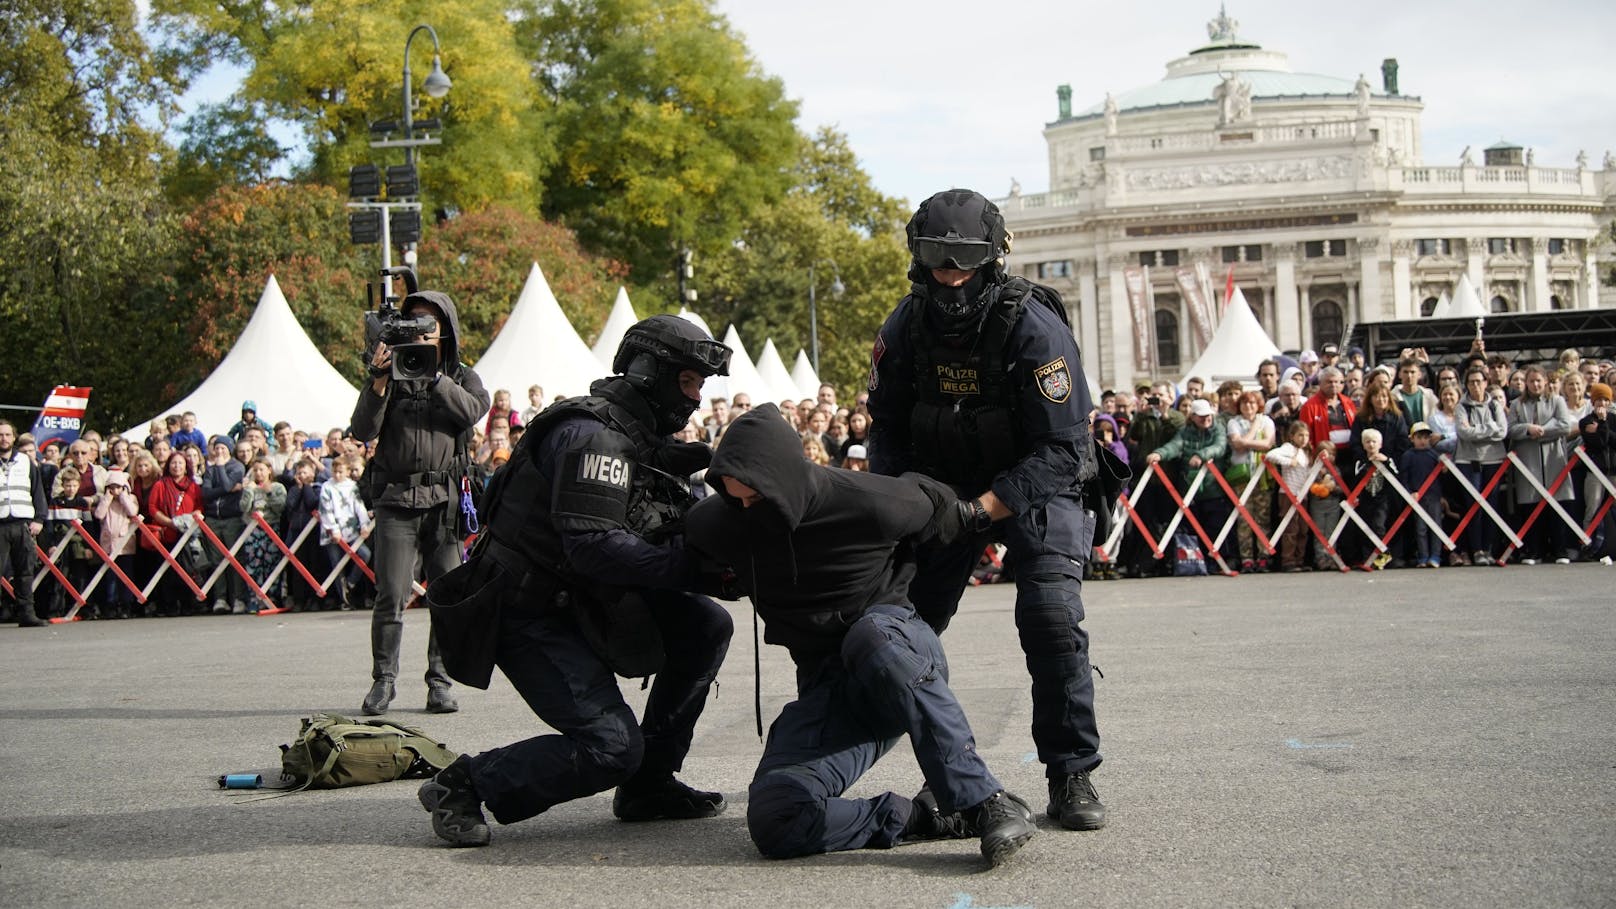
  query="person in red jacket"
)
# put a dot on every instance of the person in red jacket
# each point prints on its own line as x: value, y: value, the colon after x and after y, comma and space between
x: 176, y: 494
x: 1328, y: 413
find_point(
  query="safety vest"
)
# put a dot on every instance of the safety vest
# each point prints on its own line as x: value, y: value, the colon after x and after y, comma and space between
x: 17, y: 495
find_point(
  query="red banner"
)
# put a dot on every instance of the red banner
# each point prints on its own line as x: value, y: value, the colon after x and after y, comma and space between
x: 1137, y: 281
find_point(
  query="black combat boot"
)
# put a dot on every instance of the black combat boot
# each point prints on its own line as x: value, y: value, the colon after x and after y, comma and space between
x: 1073, y: 802
x: 457, y: 812
x: 1005, y: 824
x: 664, y: 798
x: 439, y: 700
x: 381, y: 695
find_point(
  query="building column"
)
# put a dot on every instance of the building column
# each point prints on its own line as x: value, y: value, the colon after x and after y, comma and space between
x: 1286, y: 331
x: 1120, y: 365
x: 1537, y: 299
x: 1088, y: 319
x: 1305, y: 307
x: 1588, y: 297
x: 1403, y: 302
x: 1476, y: 267
x: 1353, y: 316
x: 1370, y: 301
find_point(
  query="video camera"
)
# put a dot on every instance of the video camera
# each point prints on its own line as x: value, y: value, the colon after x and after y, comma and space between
x: 412, y: 359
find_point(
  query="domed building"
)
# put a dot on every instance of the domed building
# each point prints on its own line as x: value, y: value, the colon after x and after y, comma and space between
x: 1312, y: 188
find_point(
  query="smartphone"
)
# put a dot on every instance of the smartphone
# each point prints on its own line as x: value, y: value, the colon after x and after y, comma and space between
x: 313, y: 445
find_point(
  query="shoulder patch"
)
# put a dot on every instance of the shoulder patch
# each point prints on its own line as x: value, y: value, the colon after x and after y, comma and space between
x: 1054, y: 380
x: 876, y: 352
x: 603, y: 469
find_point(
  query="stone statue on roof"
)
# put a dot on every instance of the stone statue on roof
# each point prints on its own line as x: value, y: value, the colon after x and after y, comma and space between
x: 1233, y: 95
x: 1223, y: 28
x: 1361, y: 90
x: 1110, y: 115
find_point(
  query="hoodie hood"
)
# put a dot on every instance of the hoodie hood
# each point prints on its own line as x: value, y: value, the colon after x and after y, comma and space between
x: 761, y: 451
x: 451, y: 331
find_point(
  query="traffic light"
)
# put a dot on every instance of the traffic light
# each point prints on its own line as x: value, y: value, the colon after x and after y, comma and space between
x: 364, y: 181
x: 406, y: 226
x: 365, y: 226
x: 402, y: 181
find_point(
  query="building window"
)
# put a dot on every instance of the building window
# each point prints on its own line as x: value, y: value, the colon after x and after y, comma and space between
x: 1233, y: 254
x: 1061, y: 268
x: 1555, y: 302
x: 1166, y: 338
x: 1318, y: 249
x: 1162, y: 258
x: 1433, y: 247
x: 1097, y: 153
x: 1428, y: 306
x: 1557, y: 247
x: 1328, y: 323
x: 1499, y: 304
x: 1499, y: 245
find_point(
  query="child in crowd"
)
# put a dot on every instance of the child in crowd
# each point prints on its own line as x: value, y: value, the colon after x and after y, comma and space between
x: 856, y: 459
x: 1294, y: 465
x: 1418, y: 464
x: 116, y: 508
x: 535, y: 403
x: 1324, y: 504
x: 1374, y: 503
x: 67, y: 506
x: 302, y: 484
x: 261, y: 495
x: 343, y: 517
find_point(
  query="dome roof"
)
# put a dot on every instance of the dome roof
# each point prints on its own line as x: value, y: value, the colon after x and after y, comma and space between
x: 1192, y: 79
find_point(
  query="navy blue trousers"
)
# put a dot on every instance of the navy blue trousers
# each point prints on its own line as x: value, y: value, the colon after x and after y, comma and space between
x: 889, y: 679
x: 597, y: 744
x: 1048, y: 547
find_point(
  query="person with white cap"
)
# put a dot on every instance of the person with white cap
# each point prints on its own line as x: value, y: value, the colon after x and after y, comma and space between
x: 1202, y: 439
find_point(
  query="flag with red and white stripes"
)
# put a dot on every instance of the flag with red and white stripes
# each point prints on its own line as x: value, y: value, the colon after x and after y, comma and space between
x: 62, y: 417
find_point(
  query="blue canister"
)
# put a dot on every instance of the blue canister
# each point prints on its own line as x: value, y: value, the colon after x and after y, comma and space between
x: 241, y: 781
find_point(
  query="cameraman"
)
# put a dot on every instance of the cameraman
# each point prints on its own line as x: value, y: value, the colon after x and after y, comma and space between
x: 422, y: 428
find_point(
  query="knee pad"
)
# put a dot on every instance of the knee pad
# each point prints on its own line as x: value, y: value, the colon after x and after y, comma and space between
x: 609, y: 750
x: 1049, y: 607
x: 784, y: 819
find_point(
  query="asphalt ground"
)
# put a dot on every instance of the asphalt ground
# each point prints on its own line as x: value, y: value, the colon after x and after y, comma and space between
x: 1409, y: 738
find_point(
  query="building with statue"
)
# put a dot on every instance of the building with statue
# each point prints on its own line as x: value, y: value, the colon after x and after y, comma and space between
x: 1314, y: 189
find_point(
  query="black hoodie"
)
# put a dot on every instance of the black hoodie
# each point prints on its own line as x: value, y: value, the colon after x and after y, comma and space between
x: 416, y: 423
x: 822, y: 547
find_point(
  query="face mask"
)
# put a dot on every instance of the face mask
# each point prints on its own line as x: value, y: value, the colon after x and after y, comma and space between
x: 958, y: 302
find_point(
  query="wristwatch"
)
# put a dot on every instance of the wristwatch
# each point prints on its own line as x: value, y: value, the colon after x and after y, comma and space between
x: 980, y: 519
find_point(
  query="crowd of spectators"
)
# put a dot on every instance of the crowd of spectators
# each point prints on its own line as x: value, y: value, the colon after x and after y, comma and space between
x: 1371, y: 425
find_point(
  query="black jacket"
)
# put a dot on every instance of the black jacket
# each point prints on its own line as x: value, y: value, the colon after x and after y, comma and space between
x: 822, y: 547
x: 419, y: 424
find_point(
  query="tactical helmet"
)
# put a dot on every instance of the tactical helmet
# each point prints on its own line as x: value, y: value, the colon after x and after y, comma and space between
x: 653, y: 353
x: 958, y: 229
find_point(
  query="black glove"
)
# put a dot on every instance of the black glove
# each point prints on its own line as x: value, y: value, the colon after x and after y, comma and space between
x: 952, y: 517
x: 683, y: 458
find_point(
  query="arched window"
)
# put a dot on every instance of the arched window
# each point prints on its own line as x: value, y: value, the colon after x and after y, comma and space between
x: 1328, y: 323
x: 1166, y: 338
x: 1428, y: 306
x: 1555, y: 302
x: 1500, y: 304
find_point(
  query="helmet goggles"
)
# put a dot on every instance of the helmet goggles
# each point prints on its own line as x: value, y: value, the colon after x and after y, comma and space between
x: 962, y: 254
x: 703, y: 354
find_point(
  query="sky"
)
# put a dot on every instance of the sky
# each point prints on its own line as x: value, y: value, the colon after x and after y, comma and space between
x: 957, y: 92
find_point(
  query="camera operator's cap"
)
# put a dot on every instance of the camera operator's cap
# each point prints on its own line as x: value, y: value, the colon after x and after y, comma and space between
x: 250, y: 404
x: 857, y: 451
x: 1599, y: 391
x: 1308, y: 356
x: 1201, y: 407
x: 1330, y: 350
x: 1419, y: 427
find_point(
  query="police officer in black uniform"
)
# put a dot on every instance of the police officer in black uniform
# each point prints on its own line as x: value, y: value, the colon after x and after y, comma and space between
x: 976, y: 380
x: 584, y: 521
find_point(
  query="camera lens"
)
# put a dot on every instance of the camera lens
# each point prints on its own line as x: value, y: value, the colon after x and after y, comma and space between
x: 415, y: 361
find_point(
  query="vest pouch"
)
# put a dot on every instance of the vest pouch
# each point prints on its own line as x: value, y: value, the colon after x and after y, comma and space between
x: 619, y: 627
x: 465, y: 603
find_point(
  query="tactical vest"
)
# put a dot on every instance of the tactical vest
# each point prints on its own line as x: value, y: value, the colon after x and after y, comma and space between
x: 518, y: 499
x: 963, y: 428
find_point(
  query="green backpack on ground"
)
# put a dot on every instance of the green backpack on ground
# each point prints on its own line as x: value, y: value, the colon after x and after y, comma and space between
x: 334, y: 751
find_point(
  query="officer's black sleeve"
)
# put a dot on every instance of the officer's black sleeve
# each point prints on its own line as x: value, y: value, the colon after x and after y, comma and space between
x: 592, y: 470
x: 892, y: 395
x: 1052, y: 407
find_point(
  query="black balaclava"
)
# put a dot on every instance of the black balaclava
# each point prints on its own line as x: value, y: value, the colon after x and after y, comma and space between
x: 653, y: 353
x: 958, y: 215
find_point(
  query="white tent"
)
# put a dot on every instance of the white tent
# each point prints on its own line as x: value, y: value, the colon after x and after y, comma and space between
x: 1237, y: 346
x: 275, y: 365
x: 1466, y: 305
x: 715, y: 386
x: 538, y: 346
x: 776, y: 376
x: 1444, y: 304
x: 743, y: 376
x: 617, y: 324
x: 802, y: 372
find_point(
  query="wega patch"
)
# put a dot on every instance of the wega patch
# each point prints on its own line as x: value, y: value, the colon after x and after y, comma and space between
x: 603, y: 469
x: 1054, y: 380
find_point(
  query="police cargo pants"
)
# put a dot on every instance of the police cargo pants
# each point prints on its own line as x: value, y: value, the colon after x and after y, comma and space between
x: 599, y: 744
x: 1048, y: 547
x: 402, y: 535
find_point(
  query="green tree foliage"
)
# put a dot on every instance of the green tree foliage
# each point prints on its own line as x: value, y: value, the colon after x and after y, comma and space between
x: 836, y: 222
x: 221, y: 144
x: 482, y: 259
x: 668, y: 133
x: 334, y: 67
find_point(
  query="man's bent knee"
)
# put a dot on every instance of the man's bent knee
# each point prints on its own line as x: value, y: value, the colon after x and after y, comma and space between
x: 784, y: 819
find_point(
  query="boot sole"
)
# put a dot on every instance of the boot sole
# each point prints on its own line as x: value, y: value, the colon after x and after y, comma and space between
x: 431, y: 795
x: 1000, y: 851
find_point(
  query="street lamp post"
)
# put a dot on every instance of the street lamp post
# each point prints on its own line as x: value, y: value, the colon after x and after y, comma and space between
x: 836, y: 288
